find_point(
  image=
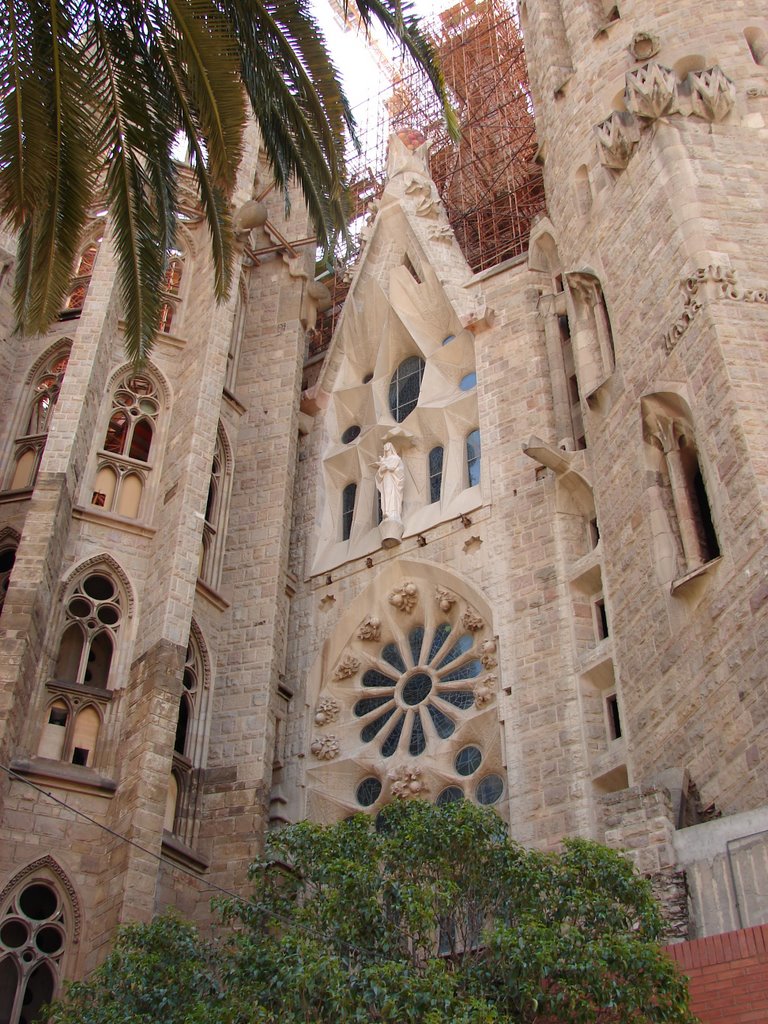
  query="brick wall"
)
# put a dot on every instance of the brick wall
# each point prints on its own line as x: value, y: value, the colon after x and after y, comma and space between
x: 728, y: 976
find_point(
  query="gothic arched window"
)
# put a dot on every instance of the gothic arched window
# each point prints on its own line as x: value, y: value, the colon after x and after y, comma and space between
x: 89, y: 636
x: 36, y: 420
x: 171, y: 290
x: 35, y: 927
x: 124, y: 460
x: 81, y: 280
x: 405, y: 386
x: 216, y: 513
x: 7, y: 561
x: 189, y: 743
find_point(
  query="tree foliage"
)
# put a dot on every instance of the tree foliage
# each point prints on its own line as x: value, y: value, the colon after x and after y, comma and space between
x: 431, y: 916
x: 95, y: 93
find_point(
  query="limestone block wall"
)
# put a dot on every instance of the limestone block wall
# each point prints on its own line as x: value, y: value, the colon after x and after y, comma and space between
x: 664, y: 204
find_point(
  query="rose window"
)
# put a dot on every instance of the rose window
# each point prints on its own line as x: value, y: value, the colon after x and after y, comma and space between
x: 418, y: 693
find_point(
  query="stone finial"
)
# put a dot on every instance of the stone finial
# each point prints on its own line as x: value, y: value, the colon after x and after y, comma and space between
x: 327, y: 711
x: 445, y: 599
x: 407, y: 781
x: 651, y: 91
x: 405, y: 597
x: 472, y: 621
x: 617, y: 137
x: 408, y: 151
x: 325, y: 748
x: 346, y: 668
x: 370, y: 628
x: 713, y: 94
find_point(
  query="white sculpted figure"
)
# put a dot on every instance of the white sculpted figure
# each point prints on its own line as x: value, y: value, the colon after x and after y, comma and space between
x: 390, y: 481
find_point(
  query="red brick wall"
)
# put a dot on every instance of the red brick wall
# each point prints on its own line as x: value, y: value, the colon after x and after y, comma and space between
x: 728, y: 976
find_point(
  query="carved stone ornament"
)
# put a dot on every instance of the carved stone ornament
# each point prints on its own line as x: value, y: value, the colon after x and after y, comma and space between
x: 445, y: 599
x: 472, y: 621
x: 617, y: 137
x: 327, y: 711
x: 644, y: 45
x: 370, y: 628
x: 488, y: 654
x: 651, y: 91
x: 347, y: 667
x: 427, y: 207
x: 444, y: 233
x: 713, y: 94
x: 484, y: 690
x: 325, y: 748
x: 407, y: 781
x: 728, y: 287
x: 405, y: 597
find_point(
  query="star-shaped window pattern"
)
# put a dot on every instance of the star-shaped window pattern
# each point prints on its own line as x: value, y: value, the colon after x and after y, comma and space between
x: 419, y: 690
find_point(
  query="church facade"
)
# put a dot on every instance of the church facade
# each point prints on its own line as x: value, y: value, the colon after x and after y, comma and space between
x: 506, y: 541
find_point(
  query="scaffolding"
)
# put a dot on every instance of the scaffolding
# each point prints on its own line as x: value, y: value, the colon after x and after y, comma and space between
x: 488, y: 182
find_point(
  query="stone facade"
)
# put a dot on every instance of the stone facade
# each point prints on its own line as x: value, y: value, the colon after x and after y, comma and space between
x: 570, y: 626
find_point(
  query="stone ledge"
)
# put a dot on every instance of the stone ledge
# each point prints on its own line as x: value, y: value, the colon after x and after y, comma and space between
x: 677, y: 585
x: 177, y: 851
x: 64, y: 776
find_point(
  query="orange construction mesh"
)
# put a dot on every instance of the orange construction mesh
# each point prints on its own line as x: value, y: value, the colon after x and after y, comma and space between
x: 488, y: 182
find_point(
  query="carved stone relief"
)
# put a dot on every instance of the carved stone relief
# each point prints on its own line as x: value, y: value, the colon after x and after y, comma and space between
x: 488, y: 654
x: 445, y: 599
x: 325, y: 748
x: 370, y: 628
x: 472, y: 621
x: 327, y: 711
x: 728, y: 287
x: 407, y: 781
x: 346, y: 667
x: 644, y: 45
x: 484, y: 690
x: 405, y: 597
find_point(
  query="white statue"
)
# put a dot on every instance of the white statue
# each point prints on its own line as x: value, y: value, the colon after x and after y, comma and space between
x: 390, y: 481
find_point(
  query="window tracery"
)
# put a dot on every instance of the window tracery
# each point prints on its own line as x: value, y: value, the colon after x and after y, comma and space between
x: 35, y: 927
x: 36, y: 419
x: 189, y: 742
x: 405, y: 387
x: 216, y: 513
x: 80, y: 283
x: 124, y: 462
x: 93, y: 614
x: 171, y: 290
x: 420, y: 698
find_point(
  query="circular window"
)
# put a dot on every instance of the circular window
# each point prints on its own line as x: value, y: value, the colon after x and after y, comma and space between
x: 79, y: 607
x: 468, y: 382
x: 49, y: 940
x: 489, y: 789
x: 108, y: 614
x: 404, y: 706
x: 405, y: 386
x: 468, y: 761
x: 99, y: 587
x: 38, y: 902
x: 350, y: 434
x: 14, y: 934
x: 417, y: 689
x: 450, y: 795
x: 368, y: 791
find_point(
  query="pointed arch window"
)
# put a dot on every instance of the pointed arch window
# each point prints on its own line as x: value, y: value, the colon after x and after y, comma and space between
x: 435, y: 473
x: 171, y: 290
x: 73, y: 305
x: 7, y: 562
x: 216, y: 513
x: 70, y: 733
x: 36, y: 420
x: 348, y: 496
x: 125, y: 458
x: 405, y: 387
x: 34, y: 932
x: 473, y: 458
x: 236, y: 338
x: 92, y: 618
x: 188, y: 744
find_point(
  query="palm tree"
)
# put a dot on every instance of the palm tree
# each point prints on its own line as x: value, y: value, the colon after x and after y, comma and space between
x: 94, y: 95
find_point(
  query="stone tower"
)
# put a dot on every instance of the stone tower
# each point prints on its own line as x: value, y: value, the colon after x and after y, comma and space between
x: 212, y: 626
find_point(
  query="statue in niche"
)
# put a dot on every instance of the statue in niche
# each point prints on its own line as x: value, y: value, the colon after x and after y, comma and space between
x: 390, y: 482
